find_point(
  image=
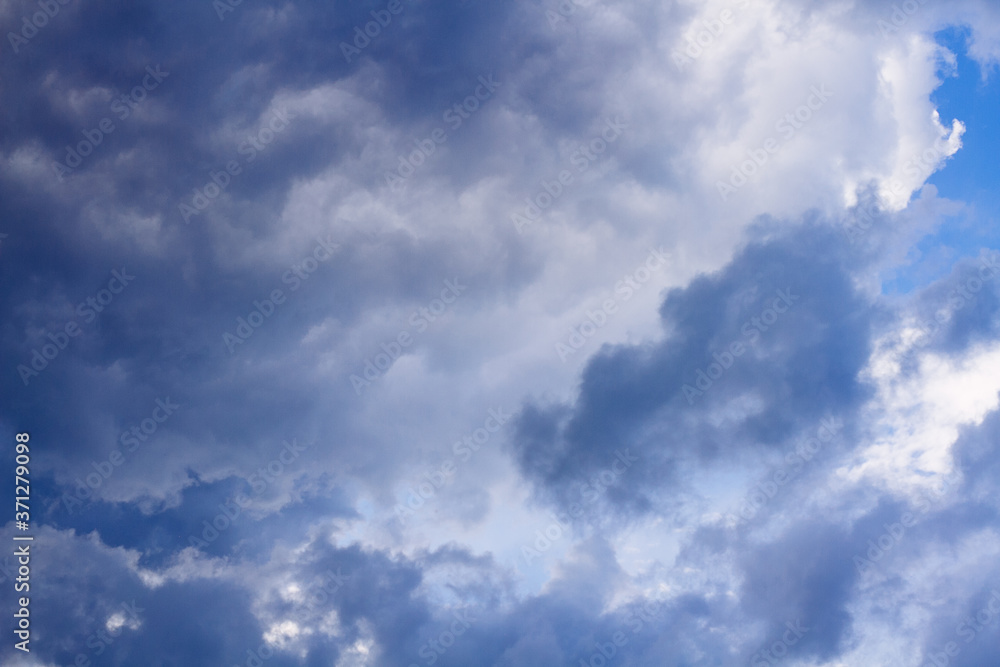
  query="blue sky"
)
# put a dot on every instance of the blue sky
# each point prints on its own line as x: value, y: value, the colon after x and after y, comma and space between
x: 378, y: 334
x: 969, y: 92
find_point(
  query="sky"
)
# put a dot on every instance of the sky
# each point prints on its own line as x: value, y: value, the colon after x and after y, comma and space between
x: 580, y: 333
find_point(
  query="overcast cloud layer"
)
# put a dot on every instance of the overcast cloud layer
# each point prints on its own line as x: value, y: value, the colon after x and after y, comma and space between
x: 533, y: 333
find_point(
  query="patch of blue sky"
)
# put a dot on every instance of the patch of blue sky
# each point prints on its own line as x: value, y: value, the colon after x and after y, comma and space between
x: 970, y: 93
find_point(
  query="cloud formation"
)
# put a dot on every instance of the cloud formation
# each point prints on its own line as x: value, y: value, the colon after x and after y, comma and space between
x: 613, y: 280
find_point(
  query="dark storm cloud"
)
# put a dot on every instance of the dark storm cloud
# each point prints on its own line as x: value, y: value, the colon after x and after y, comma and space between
x: 659, y: 400
x: 197, y: 622
x: 162, y: 335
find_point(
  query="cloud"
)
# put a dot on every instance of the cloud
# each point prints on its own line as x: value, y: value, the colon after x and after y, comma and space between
x: 606, y: 521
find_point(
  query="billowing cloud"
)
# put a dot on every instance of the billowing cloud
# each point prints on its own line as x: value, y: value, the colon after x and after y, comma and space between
x: 538, y: 333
